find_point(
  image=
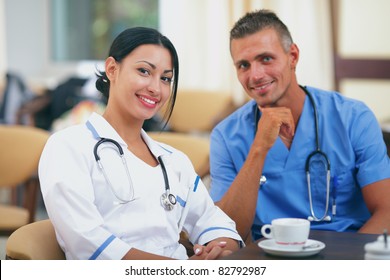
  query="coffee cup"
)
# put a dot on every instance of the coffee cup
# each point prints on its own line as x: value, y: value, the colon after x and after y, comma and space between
x: 287, y: 232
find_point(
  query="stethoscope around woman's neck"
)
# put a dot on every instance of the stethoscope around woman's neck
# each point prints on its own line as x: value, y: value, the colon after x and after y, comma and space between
x: 168, y: 200
x: 316, y: 152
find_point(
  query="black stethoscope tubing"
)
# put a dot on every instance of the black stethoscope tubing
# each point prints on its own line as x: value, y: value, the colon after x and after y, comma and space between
x: 317, y: 151
x: 103, y: 140
x: 168, y: 200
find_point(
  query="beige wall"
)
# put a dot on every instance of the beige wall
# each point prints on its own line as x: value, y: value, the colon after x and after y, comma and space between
x: 203, y: 42
x: 201, y: 34
x: 3, y: 56
x: 364, y: 28
x: 365, y: 33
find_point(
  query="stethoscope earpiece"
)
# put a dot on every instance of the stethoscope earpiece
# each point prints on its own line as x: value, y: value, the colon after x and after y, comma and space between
x: 313, y: 219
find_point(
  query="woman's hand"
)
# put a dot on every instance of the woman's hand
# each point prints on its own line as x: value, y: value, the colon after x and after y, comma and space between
x: 215, y: 249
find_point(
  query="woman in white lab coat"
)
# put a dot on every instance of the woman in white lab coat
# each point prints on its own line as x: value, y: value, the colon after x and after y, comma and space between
x: 111, y: 191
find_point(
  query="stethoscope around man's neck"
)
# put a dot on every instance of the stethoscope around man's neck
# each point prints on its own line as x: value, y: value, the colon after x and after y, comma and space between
x: 168, y: 200
x: 312, y: 217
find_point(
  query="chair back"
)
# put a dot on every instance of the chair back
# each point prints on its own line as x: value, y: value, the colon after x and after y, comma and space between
x: 199, y: 111
x: 197, y: 148
x: 35, y: 241
x: 20, y: 150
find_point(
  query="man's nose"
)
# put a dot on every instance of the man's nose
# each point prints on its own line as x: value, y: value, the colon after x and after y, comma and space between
x: 257, y: 71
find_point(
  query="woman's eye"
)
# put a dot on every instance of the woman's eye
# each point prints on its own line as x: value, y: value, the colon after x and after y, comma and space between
x: 144, y: 71
x: 166, y: 79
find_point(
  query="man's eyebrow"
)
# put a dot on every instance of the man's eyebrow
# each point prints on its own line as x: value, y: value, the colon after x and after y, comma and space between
x: 258, y: 56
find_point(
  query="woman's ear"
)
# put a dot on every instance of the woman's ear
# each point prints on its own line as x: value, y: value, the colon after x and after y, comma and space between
x: 111, y: 68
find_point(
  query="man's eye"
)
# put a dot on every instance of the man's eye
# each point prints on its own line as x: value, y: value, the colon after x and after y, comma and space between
x: 267, y: 59
x: 243, y: 65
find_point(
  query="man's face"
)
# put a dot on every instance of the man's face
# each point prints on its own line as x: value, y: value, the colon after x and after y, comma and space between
x: 264, y: 68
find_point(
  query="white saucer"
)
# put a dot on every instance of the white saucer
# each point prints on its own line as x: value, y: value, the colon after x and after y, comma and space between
x: 270, y: 247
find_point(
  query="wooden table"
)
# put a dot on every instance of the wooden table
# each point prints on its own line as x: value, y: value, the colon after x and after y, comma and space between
x: 339, y: 246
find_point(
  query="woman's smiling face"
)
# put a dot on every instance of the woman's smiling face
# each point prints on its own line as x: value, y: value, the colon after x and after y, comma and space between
x: 141, y: 83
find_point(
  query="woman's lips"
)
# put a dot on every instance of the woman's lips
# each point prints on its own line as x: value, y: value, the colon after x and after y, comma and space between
x: 147, y: 101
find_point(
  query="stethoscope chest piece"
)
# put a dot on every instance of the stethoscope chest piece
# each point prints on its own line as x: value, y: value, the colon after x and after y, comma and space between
x: 168, y: 201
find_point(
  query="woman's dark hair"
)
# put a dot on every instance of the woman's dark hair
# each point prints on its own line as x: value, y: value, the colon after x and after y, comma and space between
x: 125, y: 43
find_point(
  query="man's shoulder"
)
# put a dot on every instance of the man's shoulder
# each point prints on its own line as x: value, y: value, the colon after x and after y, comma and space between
x: 331, y: 95
x: 333, y: 103
x: 337, y: 100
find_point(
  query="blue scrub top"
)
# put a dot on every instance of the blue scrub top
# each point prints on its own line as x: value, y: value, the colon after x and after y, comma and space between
x: 350, y: 136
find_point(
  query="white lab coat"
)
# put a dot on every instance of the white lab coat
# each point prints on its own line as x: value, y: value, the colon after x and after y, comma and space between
x: 90, y: 222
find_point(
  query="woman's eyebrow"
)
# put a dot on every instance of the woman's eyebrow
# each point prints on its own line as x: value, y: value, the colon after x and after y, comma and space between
x: 154, y: 66
x: 147, y: 62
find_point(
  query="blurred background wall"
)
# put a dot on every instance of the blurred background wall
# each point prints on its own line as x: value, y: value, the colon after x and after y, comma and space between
x: 364, y: 33
x: 3, y: 51
x: 200, y: 31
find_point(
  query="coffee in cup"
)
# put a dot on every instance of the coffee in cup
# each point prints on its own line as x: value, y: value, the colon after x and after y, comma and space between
x: 288, y: 232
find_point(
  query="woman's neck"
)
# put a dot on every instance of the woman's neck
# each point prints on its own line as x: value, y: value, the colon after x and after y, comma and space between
x: 130, y: 131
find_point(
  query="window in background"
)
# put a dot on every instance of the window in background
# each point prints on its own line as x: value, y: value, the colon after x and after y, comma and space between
x: 84, y: 30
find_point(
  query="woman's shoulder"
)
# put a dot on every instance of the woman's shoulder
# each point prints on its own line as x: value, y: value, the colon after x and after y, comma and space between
x: 75, y: 135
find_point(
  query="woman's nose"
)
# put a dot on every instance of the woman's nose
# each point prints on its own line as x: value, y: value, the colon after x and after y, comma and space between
x: 155, y: 85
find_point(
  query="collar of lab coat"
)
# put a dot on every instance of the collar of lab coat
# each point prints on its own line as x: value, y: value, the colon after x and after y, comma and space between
x: 102, y: 129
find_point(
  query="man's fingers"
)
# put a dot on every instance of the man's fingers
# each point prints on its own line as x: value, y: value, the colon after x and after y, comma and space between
x: 274, y: 122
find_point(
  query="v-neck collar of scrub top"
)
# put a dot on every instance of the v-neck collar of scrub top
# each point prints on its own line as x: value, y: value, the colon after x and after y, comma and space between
x: 102, y: 129
x: 304, y: 138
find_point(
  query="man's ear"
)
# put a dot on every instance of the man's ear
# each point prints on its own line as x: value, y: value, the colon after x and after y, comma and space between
x: 111, y: 67
x: 294, y: 56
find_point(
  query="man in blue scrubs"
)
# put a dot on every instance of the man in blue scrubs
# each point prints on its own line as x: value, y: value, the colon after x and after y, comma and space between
x: 259, y: 153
